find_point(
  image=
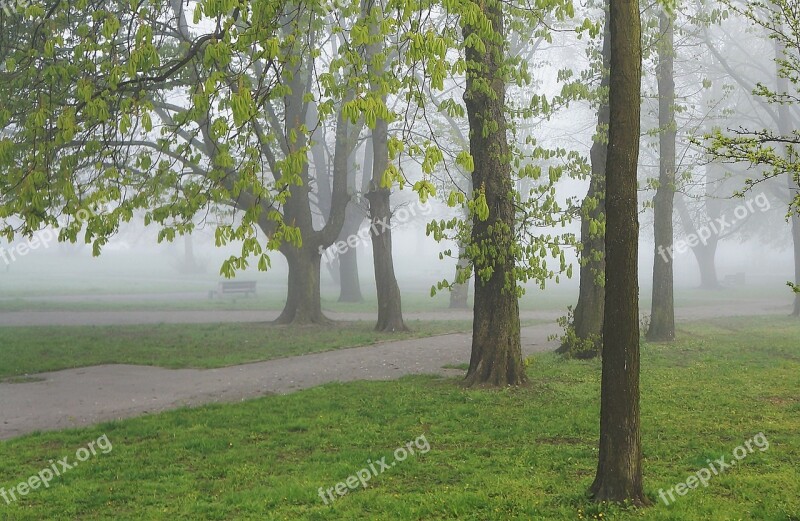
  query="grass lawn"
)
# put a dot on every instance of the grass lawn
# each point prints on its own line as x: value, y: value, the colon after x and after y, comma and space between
x: 525, y: 454
x: 30, y: 350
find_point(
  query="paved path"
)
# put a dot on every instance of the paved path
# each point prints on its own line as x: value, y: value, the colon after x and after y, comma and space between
x: 86, y: 396
x: 90, y: 395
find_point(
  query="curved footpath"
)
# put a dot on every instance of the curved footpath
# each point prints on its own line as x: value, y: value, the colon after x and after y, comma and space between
x: 85, y: 396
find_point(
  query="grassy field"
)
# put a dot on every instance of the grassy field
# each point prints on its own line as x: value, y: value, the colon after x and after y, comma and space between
x: 29, y: 350
x: 494, y: 455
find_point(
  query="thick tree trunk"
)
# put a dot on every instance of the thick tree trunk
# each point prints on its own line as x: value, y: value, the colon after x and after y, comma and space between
x: 390, y: 311
x: 496, y: 351
x: 350, y: 285
x: 706, y: 256
x: 662, y: 315
x: 587, y: 323
x: 303, y: 304
x: 619, y: 470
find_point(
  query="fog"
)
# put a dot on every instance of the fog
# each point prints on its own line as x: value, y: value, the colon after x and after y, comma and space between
x: 133, y: 266
x: 331, y: 260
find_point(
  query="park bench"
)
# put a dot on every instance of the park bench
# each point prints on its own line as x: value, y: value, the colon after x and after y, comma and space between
x: 234, y: 287
x: 737, y: 279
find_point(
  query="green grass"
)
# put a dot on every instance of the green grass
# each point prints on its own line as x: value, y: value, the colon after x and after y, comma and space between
x: 30, y: 350
x: 494, y: 455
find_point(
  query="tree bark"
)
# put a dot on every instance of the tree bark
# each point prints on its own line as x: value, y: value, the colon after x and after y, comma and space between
x: 390, y: 308
x: 496, y: 351
x: 350, y: 285
x: 588, y: 318
x: 662, y: 315
x: 619, y: 470
x: 390, y: 311
x: 706, y: 256
x: 587, y: 322
x: 303, y: 303
x: 349, y: 281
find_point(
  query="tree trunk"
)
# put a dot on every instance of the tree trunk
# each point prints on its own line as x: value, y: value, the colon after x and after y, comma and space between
x: 662, y: 315
x: 303, y: 304
x: 350, y: 289
x: 390, y: 309
x: 704, y: 253
x: 189, y: 261
x: 619, y: 470
x: 496, y: 351
x: 587, y: 323
x: 706, y: 256
x: 349, y: 282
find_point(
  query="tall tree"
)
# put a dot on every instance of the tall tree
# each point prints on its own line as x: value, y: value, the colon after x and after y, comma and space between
x: 496, y: 349
x: 161, y: 120
x: 662, y: 316
x: 619, y: 470
x: 584, y: 336
x: 390, y: 308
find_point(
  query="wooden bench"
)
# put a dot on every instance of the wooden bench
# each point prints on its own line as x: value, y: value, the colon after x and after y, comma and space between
x: 737, y: 279
x: 234, y: 287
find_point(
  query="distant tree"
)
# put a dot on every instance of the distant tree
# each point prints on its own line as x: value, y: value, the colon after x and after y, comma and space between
x: 662, y: 317
x: 773, y: 148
